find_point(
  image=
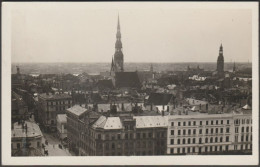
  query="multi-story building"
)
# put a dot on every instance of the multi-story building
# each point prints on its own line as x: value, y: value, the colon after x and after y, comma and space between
x: 128, y: 135
x: 203, y: 133
x: 49, y: 106
x: 26, y: 139
x: 62, y: 126
x: 243, y: 129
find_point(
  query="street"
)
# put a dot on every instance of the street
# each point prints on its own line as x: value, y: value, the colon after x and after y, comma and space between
x: 53, y: 146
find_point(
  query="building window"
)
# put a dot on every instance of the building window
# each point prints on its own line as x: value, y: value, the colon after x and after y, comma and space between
x: 246, y: 137
x: 211, y: 140
x: 200, y: 122
x: 172, y: 141
x: 118, y: 136
x: 188, y: 140
x: 189, y: 123
x: 242, y: 138
x: 206, y: 149
x: 18, y: 145
x: 179, y: 132
x: 206, y: 140
x: 216, y: 130
x: 216, y: 122
x: 200, y: 140
x: 227, y: 139
x: 183, y: 141
x: 183, y: 150
x: 194, y: 123
x: 172, y: 123
x: 138, y: 135
x: 194, y: 140
x: 178, y: 150
x: 211, y: 148
x: 194, y: 131
x: 221, y: 130
x: 216, y: 148
x: 221, y: 122
x: 113, y: 146
x: 179, y: 123
x: 247, y: 129
x: 221, y: 139
x: 189, y: 131
x: 200, y: 131
x: 211, y: 130
x: 172, y: 150
x: 227, y: 121
x: 211, y: 122
x: 207, y: 122
x: 227, y: 130
x: 193, y: 149
x: 227, y: 148
x: 207, y: 131
x: 216, y: 139
x: 179, y: 141
x: 151, y: 135
x: 184, y: 132
x: 188, y: 149
x: 172, y: 132
x: 184, y: 123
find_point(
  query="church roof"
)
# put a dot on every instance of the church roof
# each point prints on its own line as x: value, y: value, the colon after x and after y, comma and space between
x: 127, y: 79
x: 159, y: 98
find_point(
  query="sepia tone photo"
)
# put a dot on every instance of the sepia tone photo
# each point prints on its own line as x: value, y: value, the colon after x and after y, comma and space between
x: 170, y: 80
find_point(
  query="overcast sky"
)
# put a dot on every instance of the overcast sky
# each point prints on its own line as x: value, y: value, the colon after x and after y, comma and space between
x: 151, y: 32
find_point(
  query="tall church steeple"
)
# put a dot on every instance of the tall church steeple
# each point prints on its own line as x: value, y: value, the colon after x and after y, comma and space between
x: 220, y: 62
x: 118, y: 62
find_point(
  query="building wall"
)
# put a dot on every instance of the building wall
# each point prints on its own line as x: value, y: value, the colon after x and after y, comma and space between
x: 243, y: 132
x: 49, y: 109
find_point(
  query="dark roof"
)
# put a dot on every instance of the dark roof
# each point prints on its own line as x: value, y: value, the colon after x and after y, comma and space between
x: 159, y: 98
x: 127, y: 79
x: 103, y: 84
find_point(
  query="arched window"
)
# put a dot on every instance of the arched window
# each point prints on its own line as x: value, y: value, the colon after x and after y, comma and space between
x: 216, y: 139
x: 183, y: 141
x: 179, y: 141
x: 221, y: 139
x: 200, y: 140
x: 188, y: 140
x: 194, y: 140
x: 211, y: 140
x: 242, y: 129
x: 206, y: 140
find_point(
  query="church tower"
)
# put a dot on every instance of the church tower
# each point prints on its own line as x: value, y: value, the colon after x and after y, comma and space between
x: 118, y: 60
x: 220, y: 63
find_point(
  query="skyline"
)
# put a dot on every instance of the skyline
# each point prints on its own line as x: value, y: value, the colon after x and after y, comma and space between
x: 87, y: 34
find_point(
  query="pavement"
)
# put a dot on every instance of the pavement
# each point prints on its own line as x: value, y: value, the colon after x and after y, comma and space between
x: 53, y: 146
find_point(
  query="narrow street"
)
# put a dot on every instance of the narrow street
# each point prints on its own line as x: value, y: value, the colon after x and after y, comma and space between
x: 53, y: 146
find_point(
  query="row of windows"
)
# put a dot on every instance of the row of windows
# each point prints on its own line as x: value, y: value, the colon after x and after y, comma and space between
x: 58, y: 102
x: 242, y: 121
x: 194, y: 123
x: 200, y: 149
x: 243, y: 129
x: 131, y: 135
x: 243, y: 147
x: 194, y: 131
x: 193, y: 140
x: 243, y: 138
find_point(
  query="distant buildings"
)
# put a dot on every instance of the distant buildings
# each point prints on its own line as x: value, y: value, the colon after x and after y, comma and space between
x: 26, y: 139
x: 49, y: 106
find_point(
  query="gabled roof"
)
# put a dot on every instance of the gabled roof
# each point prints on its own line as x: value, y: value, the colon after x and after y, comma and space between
x: 127, y: 79
x: 159, y: 98
x: 77, y: 110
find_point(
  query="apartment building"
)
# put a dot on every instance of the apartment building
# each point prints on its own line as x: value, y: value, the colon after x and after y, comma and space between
x: 50, y: 105
x: 203, y: 133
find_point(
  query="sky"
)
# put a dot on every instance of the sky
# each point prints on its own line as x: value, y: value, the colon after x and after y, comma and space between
x: 151, y: 32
